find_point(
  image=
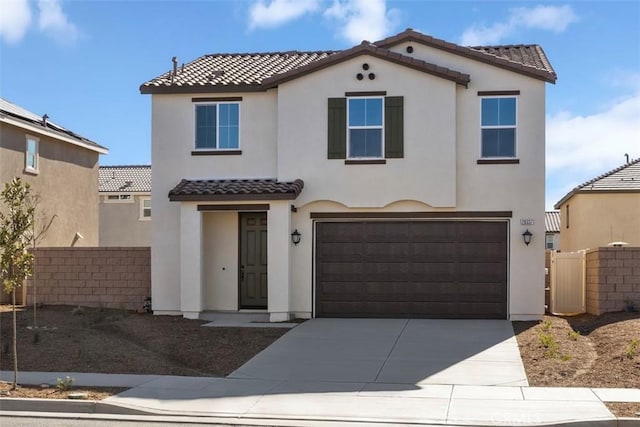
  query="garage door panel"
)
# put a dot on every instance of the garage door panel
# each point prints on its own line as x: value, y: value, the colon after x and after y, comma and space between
x: 386, y: 232
x: 423, y: 232
x: 433, y: 251
x: 481, y: 252
x: 339, y: 232
x: 388, y: 251
x: 447, y: 269
x: 386, y: 271
x: 386, y: 291
x: 345, y: 252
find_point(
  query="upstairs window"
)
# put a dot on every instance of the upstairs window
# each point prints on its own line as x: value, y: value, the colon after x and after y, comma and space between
x: 498, y: 127
x: 365, y: 127
x: 218, y: 126
x: 31, y: 155
x: 365, y: 118
x: 548, y: 239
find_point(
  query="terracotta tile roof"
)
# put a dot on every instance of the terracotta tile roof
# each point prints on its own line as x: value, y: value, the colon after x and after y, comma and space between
x: 526, y: 59
x: 235, y: 189
x: 11, y: 110
x: 552, y: 221
x: 625, y: 178
x: 242, y: 72
x: 124, y: 179
x: 231, y: 71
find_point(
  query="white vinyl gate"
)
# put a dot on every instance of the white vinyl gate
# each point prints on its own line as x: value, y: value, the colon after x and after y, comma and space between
x: 567, y: 283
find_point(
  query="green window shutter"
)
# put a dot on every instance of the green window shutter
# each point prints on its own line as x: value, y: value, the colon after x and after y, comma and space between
x: 337, y: 128
x: 394, y: 127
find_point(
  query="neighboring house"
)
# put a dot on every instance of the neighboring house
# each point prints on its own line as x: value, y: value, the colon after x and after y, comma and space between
x: 552, y: 233
x: 603, y: 210
x: 62, y: 168
x: 125, y: 205
x: 391, y: 179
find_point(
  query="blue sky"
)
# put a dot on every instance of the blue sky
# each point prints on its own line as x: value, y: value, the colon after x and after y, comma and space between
x: 82, y: 62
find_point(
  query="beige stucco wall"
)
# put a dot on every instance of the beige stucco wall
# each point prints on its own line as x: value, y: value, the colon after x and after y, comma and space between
x: 121, y: 223
x: 597, y: 219
x: 67, y: 184
x: 439, y: 172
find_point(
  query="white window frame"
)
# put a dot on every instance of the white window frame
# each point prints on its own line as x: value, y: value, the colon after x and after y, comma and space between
x: 142, y: 208
x: 515, y: 127
x: 381, y: 127
x: 36, y: 155
x: 195, y: 126
x: 548, y: 239
x: 121, y: 198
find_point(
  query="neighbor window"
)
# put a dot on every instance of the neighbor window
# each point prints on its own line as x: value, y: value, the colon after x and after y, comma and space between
x: 218, y: 126
x: 31, y: 155
x: 498, y: 127
x: 548, y: 241
x: 365, y: 119
x: 145, y: 208
x: 119, y: 198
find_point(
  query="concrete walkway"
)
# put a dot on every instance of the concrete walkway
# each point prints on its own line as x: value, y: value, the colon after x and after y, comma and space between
x: 243, y: 400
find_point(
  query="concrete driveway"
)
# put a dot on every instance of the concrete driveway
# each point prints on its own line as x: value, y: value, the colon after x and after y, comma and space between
x: 392, y: 351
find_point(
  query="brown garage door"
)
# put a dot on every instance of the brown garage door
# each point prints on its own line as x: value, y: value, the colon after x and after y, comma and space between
x: 439, y: 269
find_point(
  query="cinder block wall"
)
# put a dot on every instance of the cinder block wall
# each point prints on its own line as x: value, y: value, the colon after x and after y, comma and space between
x: 117, y: 277
x: 612, y: 276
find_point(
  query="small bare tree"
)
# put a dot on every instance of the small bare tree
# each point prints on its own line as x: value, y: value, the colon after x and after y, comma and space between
x: 16, y: 262
x: 39, y: 226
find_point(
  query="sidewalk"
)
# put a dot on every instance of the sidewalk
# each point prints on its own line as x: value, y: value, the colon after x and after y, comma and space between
x: 247, y: 400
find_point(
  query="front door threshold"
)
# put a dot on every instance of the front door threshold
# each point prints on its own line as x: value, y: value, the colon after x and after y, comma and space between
x: 240, y: 316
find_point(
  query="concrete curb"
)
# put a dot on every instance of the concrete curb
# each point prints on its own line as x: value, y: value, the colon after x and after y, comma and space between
x: 66, y: 406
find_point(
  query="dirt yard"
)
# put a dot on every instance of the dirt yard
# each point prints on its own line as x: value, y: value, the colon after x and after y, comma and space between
x: 580, y: 351
x: 583, y: 351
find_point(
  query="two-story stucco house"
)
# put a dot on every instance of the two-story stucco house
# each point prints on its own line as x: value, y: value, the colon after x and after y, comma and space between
x: 391, y: 179
x: 125, y: 205
x: 62, y: 169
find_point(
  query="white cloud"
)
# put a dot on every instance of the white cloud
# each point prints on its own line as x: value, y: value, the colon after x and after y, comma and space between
x: 582, y: 147
x: 53, y: 22
x: 263, y: 14
x: 363, y: 19
x: 549, y: 18
x: 15, y: 19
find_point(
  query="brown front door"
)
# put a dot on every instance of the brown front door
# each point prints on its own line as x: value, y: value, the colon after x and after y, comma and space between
x: 253, y: 260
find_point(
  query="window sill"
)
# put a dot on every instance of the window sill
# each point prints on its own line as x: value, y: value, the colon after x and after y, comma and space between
x: 216, y: 152
x: 366, y: 162
x: 31, y: 171
x: 498, y: 161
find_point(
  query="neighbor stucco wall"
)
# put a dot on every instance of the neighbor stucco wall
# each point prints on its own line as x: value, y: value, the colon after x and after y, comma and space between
x: 597, y: 219
x: 121, y: 223
x: 67, y: 185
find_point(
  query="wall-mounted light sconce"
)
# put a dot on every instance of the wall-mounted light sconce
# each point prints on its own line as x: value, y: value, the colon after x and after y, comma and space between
x: 526, y: 236
x: 295, y: 237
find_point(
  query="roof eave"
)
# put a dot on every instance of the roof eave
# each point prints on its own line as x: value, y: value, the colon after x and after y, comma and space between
x: 90, y: 145
x: 173, y: 89
x: 228, y: 197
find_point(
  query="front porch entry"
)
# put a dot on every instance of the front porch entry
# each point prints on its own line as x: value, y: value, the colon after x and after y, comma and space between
x: 252, y: 268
